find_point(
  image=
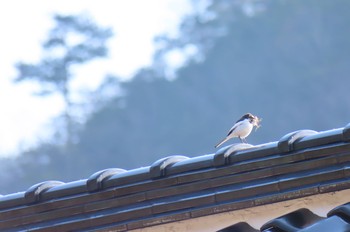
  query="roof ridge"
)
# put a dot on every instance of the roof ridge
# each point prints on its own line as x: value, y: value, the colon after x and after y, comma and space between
x: 301, y: 163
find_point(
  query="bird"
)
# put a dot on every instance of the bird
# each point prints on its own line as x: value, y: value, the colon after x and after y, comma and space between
x: 242, y: 128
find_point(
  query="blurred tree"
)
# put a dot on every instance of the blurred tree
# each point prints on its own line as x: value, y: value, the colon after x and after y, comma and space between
x: 73, y: 40
x: 200, y: 30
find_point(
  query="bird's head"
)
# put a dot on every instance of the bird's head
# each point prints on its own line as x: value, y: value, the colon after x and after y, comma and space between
x: 255, y: 120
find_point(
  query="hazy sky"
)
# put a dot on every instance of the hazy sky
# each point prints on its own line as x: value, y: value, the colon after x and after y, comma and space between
x: 24, y: 24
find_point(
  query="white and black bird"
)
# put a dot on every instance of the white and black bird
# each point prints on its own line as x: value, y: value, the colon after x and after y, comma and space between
x: 242, y: 128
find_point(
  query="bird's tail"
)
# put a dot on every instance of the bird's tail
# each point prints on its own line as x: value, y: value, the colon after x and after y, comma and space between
x: 221, y: 142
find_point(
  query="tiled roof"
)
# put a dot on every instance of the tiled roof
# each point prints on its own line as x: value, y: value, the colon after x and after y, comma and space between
x: 302, y: 163
x: 302, y: 220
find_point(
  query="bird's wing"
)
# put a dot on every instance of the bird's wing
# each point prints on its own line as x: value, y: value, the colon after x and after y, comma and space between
x: 240, y: 120
x: 234, y: 127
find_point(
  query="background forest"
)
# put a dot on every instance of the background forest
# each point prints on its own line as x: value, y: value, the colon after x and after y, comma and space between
x: 286, y: 61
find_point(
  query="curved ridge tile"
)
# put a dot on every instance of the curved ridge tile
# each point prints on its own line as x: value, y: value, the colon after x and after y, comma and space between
x: 33, y: 193
x: 64, y: 190
x: 319, y: 139
x: 158, y: 168
x: 130, y: 176
x: 293, y: 221
x: 195, y: 163
x: 346, y: 133
x: 286, y: 143
x: 221, y: 157
x: 94, y: 182
x: 239, y: 227
x: 342, y: 211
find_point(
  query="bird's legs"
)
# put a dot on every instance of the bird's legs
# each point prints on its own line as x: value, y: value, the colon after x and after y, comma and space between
x: 243, y: 140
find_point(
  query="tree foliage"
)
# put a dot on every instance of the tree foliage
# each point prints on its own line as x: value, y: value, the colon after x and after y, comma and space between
x: 73, y: 40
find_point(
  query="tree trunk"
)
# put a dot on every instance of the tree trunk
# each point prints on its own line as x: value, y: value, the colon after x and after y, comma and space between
x: 67, y: 116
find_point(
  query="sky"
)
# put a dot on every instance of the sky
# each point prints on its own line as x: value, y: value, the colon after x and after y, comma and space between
x: 25, y: 119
